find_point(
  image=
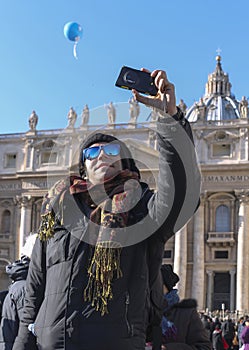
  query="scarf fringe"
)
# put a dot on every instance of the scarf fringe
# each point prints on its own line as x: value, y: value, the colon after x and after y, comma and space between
x: 104, y: 267
x: 46, y: 229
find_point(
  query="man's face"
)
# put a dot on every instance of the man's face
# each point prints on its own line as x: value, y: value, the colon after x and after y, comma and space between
x: 103, y: 166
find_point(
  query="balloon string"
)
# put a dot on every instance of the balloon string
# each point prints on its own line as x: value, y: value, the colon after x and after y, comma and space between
x: 74, y: 50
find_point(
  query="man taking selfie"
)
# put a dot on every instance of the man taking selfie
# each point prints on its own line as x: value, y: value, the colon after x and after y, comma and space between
x: 102, y: 237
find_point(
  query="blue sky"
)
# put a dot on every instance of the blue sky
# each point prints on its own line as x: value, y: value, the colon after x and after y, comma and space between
x: 38, y: 71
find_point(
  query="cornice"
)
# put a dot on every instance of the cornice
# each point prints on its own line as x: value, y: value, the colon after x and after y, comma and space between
x: 237, y: 167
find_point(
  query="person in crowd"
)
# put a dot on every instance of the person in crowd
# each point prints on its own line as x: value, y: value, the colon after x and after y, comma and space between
x: 14, y: 301
x: 228, y: 331
x: 236, y: 341
x: 207, y: 323
x: 243, y: 322
x: 3, y: 294
x: 102, y: 236
x: 216, y: 321
x: 182, y: 328
x: 245, y: 337
x: 217, y: 339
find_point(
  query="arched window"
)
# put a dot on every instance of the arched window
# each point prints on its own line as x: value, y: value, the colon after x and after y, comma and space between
x: 5, y: 224
x: 222, y: 219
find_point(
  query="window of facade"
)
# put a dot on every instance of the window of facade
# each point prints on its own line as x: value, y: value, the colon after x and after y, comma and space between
x: 221, y: 254
x: 167, y: 254
x: 10, y: 160
x: 48, y: 158
x: 222, y: 219
x: 4, y: 252
x: 5, y: 224
x: 221, y: 150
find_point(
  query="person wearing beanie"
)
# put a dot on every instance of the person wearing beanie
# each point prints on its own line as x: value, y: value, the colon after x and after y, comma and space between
x: 170, y: 278
x: 245, y: 337
x: 154, y: 331
x: 13, y: 302
x: 102, y: 235
x: 182, y: 328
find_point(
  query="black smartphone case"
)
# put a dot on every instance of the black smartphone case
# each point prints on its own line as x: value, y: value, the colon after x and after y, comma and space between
x: 130, y: 78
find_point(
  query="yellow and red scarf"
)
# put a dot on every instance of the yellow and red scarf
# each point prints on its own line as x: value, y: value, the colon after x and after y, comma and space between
x: 110, y: 203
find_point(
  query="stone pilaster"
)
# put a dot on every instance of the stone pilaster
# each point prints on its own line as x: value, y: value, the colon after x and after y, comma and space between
x: 180, y: 259
x: 25, y: 205
x: 243, y: 146
x: 242, y: 297
x: 232, y: 289
x: 210, y: 289
x: 199, y: 256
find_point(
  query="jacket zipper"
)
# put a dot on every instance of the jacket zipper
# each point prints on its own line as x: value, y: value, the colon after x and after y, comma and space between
x: 127, y: 303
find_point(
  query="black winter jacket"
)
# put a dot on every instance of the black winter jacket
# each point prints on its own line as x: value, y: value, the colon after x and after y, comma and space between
x: 190, y: 332
x: 13, y: 303
x: 217, y: 341
x: 58, y: 271
x: 3, y: 294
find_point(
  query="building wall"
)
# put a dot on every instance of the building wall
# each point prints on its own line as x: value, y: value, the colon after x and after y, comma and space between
x: 221, y: 250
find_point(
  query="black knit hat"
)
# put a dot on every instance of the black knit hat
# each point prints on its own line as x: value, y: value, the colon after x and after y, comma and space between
x: 18, y: 270
x: 170, y: 278
x: 125, y: 154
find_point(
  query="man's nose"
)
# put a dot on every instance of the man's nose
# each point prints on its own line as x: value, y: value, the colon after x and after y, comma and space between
x: 101, y: 153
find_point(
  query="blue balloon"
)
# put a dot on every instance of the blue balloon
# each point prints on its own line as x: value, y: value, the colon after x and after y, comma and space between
x: 73, y: 31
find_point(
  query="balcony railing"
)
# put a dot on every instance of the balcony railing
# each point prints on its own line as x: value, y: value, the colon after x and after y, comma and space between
x: 220, y: 238
x: 5, y: 236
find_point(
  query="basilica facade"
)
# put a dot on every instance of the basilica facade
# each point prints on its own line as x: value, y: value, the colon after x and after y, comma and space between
x: 211, y: 252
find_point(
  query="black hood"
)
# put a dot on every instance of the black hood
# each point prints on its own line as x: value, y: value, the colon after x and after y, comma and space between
x: 127, y: 160
x: 18, y: 270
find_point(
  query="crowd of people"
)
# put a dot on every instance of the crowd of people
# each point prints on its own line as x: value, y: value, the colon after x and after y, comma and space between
x: 227, y: 333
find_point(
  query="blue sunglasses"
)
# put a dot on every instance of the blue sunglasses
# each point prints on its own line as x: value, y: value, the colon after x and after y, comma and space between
x: 110, y: 149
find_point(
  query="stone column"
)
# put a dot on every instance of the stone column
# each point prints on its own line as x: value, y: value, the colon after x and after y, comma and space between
x: 243, y: 145
x: 210, y: 289
x: 25, y: 204
x: 200, y: 142
x: 68, y: 152
x: 32, y: 153
x: 242, y: 297
x: 232, y: 289
x: 198, y: 256
x: 29, y: 155
x: 180, y: 259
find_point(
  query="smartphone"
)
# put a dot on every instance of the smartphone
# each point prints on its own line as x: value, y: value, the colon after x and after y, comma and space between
x: 130, y: 78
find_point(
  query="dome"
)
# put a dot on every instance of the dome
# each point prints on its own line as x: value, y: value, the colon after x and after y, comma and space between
x: 218, y: 103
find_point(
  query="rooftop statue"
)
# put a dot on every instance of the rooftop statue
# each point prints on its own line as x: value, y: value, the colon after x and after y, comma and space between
x: 243, y: 107
x: 134, y: 110
x: 85, y: 116
x: 71, y: 116
x: 111, y: 113
x: 33, y: 120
